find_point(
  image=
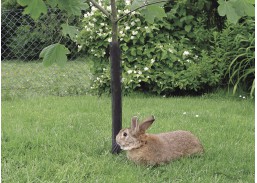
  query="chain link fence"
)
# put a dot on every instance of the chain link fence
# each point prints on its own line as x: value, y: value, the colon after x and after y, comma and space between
x: 23, y: 76
x: 23, y: 38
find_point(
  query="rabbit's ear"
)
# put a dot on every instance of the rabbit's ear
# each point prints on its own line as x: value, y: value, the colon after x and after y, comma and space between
x: 134, y: 123
x: 146, y: 123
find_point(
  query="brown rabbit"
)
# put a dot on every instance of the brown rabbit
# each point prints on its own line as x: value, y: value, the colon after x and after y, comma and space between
x: 154, y: 149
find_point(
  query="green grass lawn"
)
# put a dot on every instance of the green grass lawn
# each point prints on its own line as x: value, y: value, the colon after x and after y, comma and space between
x: 29, y: 79
x: 47, y: 138
x: 68, y: 139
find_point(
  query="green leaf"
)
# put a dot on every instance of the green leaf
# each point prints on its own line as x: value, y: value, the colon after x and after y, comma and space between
x: 251, y: 1
x: 226, y: 9
x: 33, y: 7
x: 245, y: 7
x: 143, y: 3
x: 73, y: 7
x: 52, y: 3
x: 188, y: 28
x: 72, y: 31
x: 136, y: 4
x: 152, y: 12
x: 55, y: 53
x: 235, y: 9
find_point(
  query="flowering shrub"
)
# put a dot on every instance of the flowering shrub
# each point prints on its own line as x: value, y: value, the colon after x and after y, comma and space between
x: 155, y: 57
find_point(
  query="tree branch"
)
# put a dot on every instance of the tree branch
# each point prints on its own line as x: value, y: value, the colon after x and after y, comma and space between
x: 140, y: 8
x: 100, y: 8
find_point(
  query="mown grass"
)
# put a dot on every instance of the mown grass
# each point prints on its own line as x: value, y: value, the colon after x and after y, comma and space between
x: 68, y: 139
x: 47, y: 138
x: 28, y: 79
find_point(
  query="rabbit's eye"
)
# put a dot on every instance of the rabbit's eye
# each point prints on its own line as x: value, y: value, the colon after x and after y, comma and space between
x: 125, y: 134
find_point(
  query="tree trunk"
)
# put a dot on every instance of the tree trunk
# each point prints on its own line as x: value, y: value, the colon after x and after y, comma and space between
x: 116, y: 94
x: 115, y: 54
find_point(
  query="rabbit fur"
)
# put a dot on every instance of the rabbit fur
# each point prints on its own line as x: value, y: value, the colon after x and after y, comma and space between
x: 155, y: 149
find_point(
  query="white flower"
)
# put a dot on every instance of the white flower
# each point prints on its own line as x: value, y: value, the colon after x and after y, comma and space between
x: 148, y: 77
x: 127, y: 28
x: 91, y: 24
x: 240, y: 96
x: 93, y: 9
x: 140, y: 72
x: 102, y: 24
x: 126, y: 11
x: 122, y: 35
x: 127, y: 2
x: 184, y: 113
x: 129, y: 71
x: 79, y: 47
x: 152, y: 61
x: 134, y: 32
x: 109, y: 40
x: 197, y: 115
x: 133, y: 23
x: 139, y: 80
x: 185, y: 53
x: 132, y: 37
x: 94, y: 19
x: 243, y: 97
x: 146, y: 68
x: 170, y: 50
x: 109, y: 8
x: 137, y: 20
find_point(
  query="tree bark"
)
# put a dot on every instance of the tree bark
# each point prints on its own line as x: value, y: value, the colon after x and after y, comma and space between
x: 115, y: 55
x: 116, y: 95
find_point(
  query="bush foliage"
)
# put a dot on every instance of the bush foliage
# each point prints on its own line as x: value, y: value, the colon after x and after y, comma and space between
x: 235, y: 46
x: 187, y: 51
x: 167, y: 56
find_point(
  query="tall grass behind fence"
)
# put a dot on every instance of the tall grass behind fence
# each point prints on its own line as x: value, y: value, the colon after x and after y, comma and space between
x: 23, y: 38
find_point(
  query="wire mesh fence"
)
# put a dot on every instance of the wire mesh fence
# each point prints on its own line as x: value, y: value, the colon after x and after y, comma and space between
x: 22, y: 41
x: 23, y: 38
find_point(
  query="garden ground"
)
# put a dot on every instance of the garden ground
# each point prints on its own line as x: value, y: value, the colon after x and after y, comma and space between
x: 68, y: 139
